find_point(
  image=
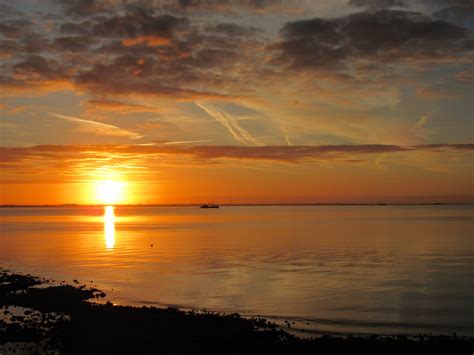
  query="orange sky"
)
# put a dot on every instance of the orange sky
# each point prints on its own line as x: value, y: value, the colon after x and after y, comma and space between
x: 64, y: 174
x: 168, y: 101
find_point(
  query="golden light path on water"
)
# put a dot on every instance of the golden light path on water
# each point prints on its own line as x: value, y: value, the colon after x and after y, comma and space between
x: 109, y: 227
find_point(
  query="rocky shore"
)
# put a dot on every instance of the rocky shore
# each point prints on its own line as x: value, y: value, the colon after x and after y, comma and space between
x: 38, y: 316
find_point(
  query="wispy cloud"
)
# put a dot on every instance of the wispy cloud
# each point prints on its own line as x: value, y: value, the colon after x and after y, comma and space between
x: 293, y: 154
x: 98, y: 127
x: 423, y: 121
x: 188, y: 142
x: 287, y: 137
x: 230, y: 123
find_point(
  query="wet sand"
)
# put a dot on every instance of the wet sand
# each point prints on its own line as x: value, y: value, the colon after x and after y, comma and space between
x: 42, y: 316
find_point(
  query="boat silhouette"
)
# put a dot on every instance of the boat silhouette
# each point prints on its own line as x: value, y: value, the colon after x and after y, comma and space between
x: 210, y: 205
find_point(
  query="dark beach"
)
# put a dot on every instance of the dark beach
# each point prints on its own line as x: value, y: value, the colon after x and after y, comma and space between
x: 42, y: 316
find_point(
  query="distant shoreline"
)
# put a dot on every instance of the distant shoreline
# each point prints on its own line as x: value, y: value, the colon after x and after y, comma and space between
x: 73, y: 205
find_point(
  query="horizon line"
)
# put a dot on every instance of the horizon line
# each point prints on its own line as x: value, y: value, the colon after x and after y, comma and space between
x: 243, y: 204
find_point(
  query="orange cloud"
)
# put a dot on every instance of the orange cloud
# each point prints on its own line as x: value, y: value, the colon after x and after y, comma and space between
x: 432, y: 93
x: 119, y: 107
x: 150, y: 41
x: 270, y: 153
x: 13, y: 88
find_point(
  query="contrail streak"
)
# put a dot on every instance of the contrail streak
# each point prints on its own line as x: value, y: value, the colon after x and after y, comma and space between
x: 98, y: 127
x: 230, y: 123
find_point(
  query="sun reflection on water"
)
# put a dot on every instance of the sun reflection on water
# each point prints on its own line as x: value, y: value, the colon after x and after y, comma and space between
x: 109, y: 227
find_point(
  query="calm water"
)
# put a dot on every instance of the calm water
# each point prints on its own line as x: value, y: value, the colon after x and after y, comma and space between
x: 363, y: 269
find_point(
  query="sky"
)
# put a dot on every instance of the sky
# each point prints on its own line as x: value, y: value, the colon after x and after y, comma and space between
x: 244, y: 101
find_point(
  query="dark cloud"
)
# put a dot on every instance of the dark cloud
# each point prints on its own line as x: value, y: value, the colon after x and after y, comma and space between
x: 133, y: 25
x: 225, y: 4
x: 161, y: 55
x: 88, y: 8
x: 8, y: 48
x: 466, y: 76
x: 468, y: 146
x: 73, y: 28
x: 382, y: 36
x: 81, y: 8
x: 7, y: 10
x: 15, y: 28
x: 130, y: 74
x: 145, y: 33
x: 72, y: 44
x: 131, y: 53
x: 377, y: 4
x: 38, y: 67
x: 135, y: 49
x: 462, y: 15
x: 232, y: 30
x: 33, y: 43
x: 33, y: 74
x: 211, y: 57
x: 116, y: 47
x: 447, y: 3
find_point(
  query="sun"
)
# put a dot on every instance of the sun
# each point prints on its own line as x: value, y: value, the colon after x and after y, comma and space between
x: 109, y: 191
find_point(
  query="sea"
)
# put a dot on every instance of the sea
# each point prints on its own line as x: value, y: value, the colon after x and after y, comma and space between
x: 315, y: 270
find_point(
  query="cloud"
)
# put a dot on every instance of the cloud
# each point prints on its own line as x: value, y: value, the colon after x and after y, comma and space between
x: 14, y: 87
x: 233, y: 30
x: 85, y: 7
x: 8, y: 49
x: 77, y: 28
x: 381, y: 36
x: 462, y: 14
x: 433, y: 93
x: 461, y: 147
x: 186, y: 142
x: 7, y: 10
x: 98, y: 127
x: 35, y: 67
x: 119, y: 52
x: 131, y: 53
x: 127, y: 76
x: 242, y: 3
x: 14, y: 29
x: 119, y: 107
x: 128, y: 52
x: 229, y: 122
x: 139, y: 24
x: 33, y: 75
x: 447, y: 3
x: 72, y: 43
x: 287, y: 136
x: 228, y: 6
x: 150, y: 41
x: 466, y: 76
x: 89, y: 8
x: 210, y: 58
x: 287, y: 154
x: 423, y: 121
x: 377, y: 4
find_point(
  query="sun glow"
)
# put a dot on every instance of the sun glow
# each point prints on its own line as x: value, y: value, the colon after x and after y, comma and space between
x: 109, y: 227
x: 110, y: 192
